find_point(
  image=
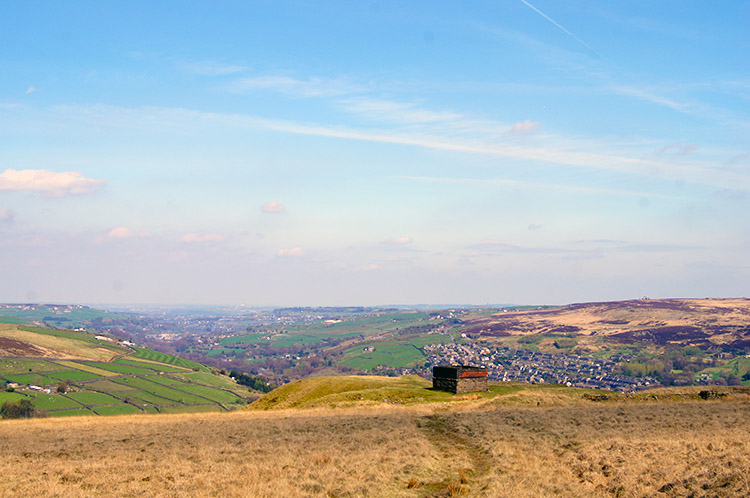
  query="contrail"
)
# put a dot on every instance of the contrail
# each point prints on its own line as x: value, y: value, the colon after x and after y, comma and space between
x: 562, y: 28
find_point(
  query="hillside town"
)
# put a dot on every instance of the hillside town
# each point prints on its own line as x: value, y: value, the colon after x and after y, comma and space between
x: 522, y: 365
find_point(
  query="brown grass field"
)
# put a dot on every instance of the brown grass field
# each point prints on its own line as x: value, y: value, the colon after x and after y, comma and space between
x: 621, y: 448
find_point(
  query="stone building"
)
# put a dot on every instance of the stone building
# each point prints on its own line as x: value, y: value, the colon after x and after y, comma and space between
x: 459, y: 379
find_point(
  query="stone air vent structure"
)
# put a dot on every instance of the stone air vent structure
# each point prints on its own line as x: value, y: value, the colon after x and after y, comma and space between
x: 459, y: 379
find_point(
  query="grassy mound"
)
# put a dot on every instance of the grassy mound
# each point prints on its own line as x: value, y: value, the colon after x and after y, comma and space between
x: 350, y: 391
x: 407, y: 390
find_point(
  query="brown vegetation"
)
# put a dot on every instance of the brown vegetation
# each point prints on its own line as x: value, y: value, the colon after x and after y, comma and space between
x: 681, y: 322
x: 610, y: 448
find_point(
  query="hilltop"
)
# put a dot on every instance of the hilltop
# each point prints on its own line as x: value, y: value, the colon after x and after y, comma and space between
x: 527, y: 441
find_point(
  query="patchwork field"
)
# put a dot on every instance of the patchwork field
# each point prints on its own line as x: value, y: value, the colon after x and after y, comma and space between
x: 76, y: 374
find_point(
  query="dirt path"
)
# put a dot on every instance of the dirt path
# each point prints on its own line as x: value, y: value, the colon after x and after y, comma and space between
x: 457, y: 443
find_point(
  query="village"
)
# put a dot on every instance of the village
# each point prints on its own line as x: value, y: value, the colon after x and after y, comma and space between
x: 521, y: 365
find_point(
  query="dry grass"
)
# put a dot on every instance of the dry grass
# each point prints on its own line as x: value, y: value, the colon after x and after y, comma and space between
x: 626, y: 449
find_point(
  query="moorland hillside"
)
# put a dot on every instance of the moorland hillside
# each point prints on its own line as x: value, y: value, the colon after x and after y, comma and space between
x: 518, y: 443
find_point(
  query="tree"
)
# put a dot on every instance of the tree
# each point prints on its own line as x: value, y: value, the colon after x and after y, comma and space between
x: 20, y: 409
x: 734, y: 380
x: 62, y: 387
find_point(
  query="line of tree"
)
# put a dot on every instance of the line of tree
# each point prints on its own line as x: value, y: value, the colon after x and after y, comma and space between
x: 257, y: 383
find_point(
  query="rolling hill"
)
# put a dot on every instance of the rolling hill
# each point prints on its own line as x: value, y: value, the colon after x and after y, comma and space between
x: 661, y: 322
x: 68, y: 373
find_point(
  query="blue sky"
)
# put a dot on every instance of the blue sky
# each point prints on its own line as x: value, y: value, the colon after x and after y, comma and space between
x: 330, y: 153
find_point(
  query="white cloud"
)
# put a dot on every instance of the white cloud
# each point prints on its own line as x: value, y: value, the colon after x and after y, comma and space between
x: 7, y: 216
x: 48, y: 183
x: 290, y: 252
x: 560, y: 151
x: 524, y: 127
x: 402, y: 112
x: 312, y: 87
x: 201, y: 237
x: 30, y: 90
x: 371, y: 267
x: 398, y: 240
x: 273, y: 207
x: 120, y: 233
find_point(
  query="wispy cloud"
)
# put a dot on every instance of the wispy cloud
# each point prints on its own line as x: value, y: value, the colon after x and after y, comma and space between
x: 392, y: 111
x: 311, y: 87
x: 273, y: 207
x: 495, y: 247
x: 291, y: 252
x: 574, y: 189
x: 48, y: 183
x: 120, y: 233
x: 653, y: 97
x: 557, y: 151
x: 525, y: 127
x: 30, y: 90
x: 401, y: 241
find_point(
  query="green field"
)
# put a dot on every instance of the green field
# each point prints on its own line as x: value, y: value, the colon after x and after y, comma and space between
x: 103, y: 375
x: 211, y: 393
x: 211, y: 380
x: 12, y: 397
x: 165, y: 380
x: 168, y: 358
x: 119, y: 368
x: 73, y: 375
x: 54, y: 402
x: 115, y: 410
x: 30, y: 379
x: 73, y: 412
x: 93, y: 398
x: 394, y: 354
x: 245, y: 338
x: 160, y: 390
x: 141, y: 397
x: 22, y: 365
x: 159, y: 367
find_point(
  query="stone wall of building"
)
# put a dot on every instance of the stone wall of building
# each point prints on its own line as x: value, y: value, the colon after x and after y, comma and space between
x: 460, y: 385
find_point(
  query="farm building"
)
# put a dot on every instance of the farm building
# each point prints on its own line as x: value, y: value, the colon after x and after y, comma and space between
x: 459, y: 379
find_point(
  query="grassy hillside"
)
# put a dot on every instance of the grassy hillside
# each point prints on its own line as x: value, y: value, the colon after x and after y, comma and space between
x: 614, y: 448
x: 372, y: 391
x: 67, y: 373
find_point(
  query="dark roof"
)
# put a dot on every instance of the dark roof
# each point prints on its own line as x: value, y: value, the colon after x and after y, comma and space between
x: 458, y: 371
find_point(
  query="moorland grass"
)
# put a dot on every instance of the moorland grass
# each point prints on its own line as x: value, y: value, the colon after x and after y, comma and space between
x: 621, y: 448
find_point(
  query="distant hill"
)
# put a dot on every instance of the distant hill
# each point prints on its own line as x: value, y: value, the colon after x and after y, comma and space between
x: 677, y: 322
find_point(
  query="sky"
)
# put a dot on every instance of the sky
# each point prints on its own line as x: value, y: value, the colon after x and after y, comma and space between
x: 277, y: 153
